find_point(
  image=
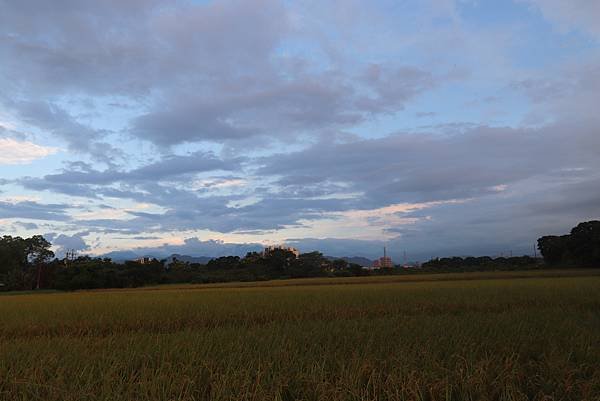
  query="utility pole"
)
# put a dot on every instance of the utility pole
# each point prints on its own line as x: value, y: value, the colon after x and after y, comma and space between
x: 69, y: 257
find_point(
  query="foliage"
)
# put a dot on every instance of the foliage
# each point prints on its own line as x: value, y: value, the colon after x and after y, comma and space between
x: 554, y: 248
x: 23, y: 262
x: 580, y: 248
x: 91, y: 273
x: 479, y: 263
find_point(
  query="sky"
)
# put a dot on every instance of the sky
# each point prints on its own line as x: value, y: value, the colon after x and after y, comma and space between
x: 210, y: 128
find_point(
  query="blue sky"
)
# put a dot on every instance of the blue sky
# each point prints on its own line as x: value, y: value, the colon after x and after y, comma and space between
x: 435, y: 127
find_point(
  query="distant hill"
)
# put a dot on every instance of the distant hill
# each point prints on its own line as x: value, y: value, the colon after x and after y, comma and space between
x: 122, y: 256
x: 189, y: 259
x: 359, y: 260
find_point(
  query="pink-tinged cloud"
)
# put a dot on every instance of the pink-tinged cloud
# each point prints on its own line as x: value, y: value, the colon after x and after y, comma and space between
x: 22, y: 152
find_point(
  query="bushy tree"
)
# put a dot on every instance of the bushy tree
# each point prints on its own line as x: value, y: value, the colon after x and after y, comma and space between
x: 584, y: 244
x: 23, y: 262
x: 579, y: 248
x: 554, y: 248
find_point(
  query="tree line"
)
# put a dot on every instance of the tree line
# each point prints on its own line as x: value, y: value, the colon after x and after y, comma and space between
x: 471, y: 263
x: 29, y: 263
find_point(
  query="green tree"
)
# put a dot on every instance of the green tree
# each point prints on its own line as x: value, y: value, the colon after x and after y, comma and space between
x: 554, y: 248
x: 38, y: 253
x: 584, y: 244
x: 13, y: 254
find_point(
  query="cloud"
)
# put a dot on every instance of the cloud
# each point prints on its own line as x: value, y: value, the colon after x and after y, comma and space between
x: 391, y: 88
x: 213, y: 213
x: 211, y: 71
x: 22, y: 152
x: 60, y: 55
x: 64, y: 243
x: 430, y: 167
x: 34, y: 210
x: 269, y: 118
x: 330, y: 180
x: 189, y: 72
x: 575, y: 14
x: 170, y: 167
x: 290, y: 104
x: 26, y: 225
x: 52, y: 118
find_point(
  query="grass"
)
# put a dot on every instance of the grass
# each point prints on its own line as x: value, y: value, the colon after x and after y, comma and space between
x: 490, y: 337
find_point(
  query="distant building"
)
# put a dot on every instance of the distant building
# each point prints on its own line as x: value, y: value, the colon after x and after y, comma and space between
x: 384, y: 262
x: 282, y: 247
x: 144, y: 260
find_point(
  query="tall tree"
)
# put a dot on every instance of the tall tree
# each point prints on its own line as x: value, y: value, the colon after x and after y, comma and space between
x: 38, y: 254
x: 584, y: 244
x: 554, y: 248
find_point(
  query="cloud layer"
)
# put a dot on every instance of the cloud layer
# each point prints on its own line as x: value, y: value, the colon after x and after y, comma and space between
x: 429, y: 126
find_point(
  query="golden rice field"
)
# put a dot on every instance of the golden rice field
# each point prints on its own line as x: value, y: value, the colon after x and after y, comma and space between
x: 443, y: 337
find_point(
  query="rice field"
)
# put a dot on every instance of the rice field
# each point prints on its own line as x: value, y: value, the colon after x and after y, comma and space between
x: 444, y: 337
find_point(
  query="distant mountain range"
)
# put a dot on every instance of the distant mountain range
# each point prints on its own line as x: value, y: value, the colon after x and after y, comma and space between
x: 189, y: 259
x: 122, y: 256
x: 359, y: 260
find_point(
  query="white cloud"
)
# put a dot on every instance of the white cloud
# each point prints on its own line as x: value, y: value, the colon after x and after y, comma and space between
x: 17, y: 152
x: 366, y: 224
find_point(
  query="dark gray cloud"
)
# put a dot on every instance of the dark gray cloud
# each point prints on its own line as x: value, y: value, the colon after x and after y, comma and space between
x: 169, y: 167
x: 391, y: 88
x: 133, y: 49
x: 567, y: 94
x: 34, y: 210
x: 428, y: 167
x: 26, y: 225
x: 53, y: 119
x: 424, y: 114
x: 202, y: 72
x: 282, y: 108
x: 213, y: 213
